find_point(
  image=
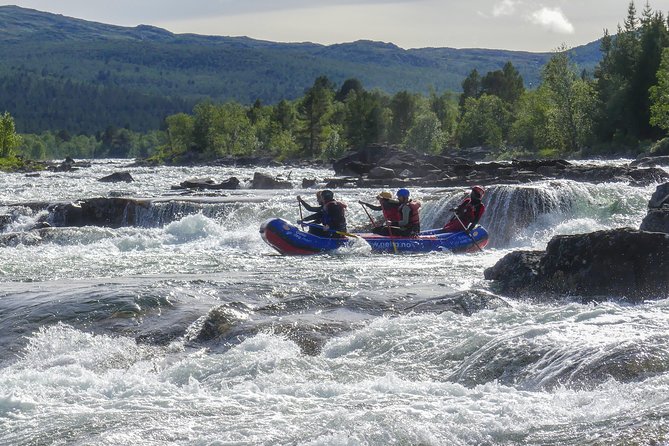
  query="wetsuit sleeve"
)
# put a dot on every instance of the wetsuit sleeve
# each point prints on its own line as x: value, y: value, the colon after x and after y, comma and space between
x: 316, y: 217
x: 310, y: 208
x: 373, y: 207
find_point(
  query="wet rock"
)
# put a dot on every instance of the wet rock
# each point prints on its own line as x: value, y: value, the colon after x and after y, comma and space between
x: 231, y: 183
x: 5, y: 220
x: 515, y: 270
x: 221, y: 320
x: 625, y: 263
x: 660, y: 197
x: 106, y: 212
x: 466, y: 303
x: 308, y: 182
x: 653, y: 161
x: 118, y: 177
x: 657, y: 219
x: 379, y: 173
x: 443, y: 171
x: 264, y: 181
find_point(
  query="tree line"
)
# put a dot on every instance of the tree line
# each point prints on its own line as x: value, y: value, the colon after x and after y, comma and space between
x: 620, y: 108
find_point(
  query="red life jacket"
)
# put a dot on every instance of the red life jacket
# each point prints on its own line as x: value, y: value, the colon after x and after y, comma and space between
x: 414, y: 216
x: 391, y: 212
x: 468, y: 213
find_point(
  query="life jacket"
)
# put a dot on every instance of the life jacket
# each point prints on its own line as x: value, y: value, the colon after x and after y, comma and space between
x: 469, y: 212
x: 414, y: 216
x: 391, y: 211
x: 333, y: 215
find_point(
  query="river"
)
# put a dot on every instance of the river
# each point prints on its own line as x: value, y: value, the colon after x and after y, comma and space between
x: 188, y: 329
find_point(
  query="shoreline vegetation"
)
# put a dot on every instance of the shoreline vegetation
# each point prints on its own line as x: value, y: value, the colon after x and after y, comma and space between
x: 617, y: 111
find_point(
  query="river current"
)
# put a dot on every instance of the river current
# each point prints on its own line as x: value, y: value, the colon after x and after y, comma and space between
x: 188, y: 329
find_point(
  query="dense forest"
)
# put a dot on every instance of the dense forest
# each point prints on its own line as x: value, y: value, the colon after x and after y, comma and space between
x: 619, y: 108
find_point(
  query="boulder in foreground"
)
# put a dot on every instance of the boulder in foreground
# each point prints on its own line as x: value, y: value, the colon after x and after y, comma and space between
x: 620, y: 263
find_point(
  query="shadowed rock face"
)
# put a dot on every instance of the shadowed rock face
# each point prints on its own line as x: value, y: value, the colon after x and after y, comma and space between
x: 657, y: 219
x: 624, y: 263
x: 106, y: 212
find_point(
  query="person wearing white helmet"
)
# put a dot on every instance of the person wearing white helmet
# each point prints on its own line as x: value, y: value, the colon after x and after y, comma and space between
x: 468, y: 213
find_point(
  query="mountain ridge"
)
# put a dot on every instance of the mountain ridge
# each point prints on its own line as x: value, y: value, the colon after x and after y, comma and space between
x: 192, y: 67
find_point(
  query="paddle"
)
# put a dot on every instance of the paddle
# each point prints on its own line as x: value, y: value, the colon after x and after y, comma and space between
x: 299, y: 203
x: 367, y: 212
x: 390, y: 232
x: 467, y: 232
x: 346, y: 234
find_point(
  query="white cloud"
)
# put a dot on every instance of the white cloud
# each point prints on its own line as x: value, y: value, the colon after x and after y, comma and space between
x: 553, y: 19
x: 504, y: 8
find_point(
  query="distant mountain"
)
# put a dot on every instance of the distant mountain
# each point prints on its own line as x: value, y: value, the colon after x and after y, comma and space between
x: 177, y: 70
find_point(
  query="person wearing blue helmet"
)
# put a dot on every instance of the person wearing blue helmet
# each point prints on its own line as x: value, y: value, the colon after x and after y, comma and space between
x: 409, y: 225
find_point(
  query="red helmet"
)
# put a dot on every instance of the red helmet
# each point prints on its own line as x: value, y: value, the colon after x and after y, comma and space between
x: 478, y: 190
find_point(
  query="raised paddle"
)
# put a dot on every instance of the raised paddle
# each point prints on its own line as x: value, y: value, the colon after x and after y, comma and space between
x: 467, y: 232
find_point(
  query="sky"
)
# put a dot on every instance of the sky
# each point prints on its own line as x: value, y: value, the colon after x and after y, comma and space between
x: 522, y: 25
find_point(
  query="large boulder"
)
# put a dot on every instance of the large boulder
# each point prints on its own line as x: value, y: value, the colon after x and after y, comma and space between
x: 624, y: 263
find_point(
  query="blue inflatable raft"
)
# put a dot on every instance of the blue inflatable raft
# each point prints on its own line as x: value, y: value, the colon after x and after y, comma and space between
x: 289, y: 239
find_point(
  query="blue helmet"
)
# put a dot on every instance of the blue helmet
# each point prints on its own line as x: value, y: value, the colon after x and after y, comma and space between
x: 403, y: 193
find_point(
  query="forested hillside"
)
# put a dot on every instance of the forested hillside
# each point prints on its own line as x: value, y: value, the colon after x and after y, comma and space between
x: 84, y: 76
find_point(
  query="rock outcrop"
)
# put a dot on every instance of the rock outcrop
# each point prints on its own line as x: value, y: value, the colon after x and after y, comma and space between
x: 379, y: 165
x: 264, y: 181
x: 625, y: 263
x: 209, y: 184
x: 118, y: 177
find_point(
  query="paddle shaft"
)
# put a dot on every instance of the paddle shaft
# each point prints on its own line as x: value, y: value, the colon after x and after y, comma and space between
x: 330, y: 230
x: 467, y: 232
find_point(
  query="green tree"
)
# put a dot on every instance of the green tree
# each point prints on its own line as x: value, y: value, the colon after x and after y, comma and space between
x: 471, y: 88
x: 506, y: 83
x: 571, y: 104
x: 659, y: 95
x: 530, y: 129
x: 485, y: 121
x: 9, y: 140
x: 403, y: 106
x: 349, y: 85
x: 426, y: 134
x: 365, y: 121
x: 315, y: 110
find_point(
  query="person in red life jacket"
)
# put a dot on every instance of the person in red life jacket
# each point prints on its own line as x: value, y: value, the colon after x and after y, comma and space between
x: 316, y: 217
x: 334, y: 217
x: 389, y: 208
x: 409, y: 225
x: 469, y: 211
